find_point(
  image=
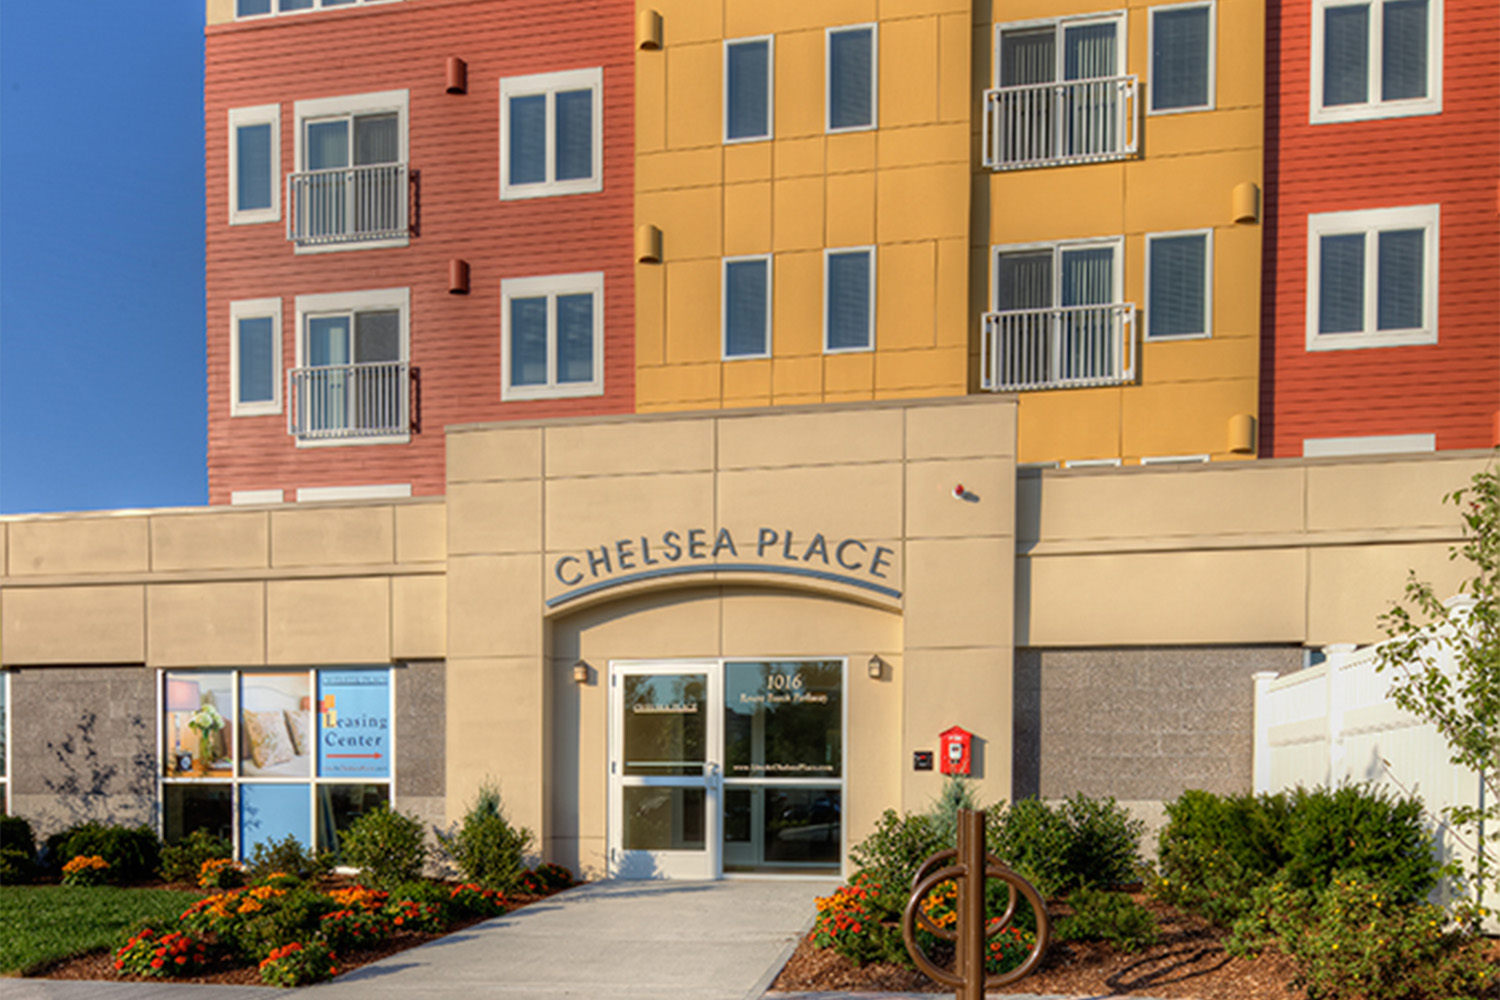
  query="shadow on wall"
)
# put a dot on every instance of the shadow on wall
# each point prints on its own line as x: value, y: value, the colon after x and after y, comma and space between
x: 88, y: 778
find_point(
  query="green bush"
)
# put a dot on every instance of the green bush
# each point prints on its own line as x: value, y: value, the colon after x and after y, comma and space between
x: 485, y: 847
x: 1108, y: 916
x: 388, y: 847
x: 1217, y: 850
x: 287, y: 856
x: 1359, y: 828
x: 183, y: 861
x: 899, y: 844
x: 1079, y: 843
x: 17, y: 851
x: 1358, y: 939
x: 133, y: 853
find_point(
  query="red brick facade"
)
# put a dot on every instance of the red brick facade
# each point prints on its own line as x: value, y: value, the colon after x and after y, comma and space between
x: 454, y: 155
x: 1451, y: 388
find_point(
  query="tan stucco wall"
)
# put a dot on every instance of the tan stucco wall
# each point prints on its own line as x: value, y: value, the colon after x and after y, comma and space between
x: 345, y: 583
x: 1288, y: 551
x: 882, y: 474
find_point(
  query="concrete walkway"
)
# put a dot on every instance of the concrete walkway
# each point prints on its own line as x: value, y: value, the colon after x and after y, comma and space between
x: 606, y: 941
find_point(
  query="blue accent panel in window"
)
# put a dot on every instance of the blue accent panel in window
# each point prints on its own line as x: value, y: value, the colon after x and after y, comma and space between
x: 1179, y: 58
x: 575, y: 135
x: 1341, y: 283
x: 850, y: 78
x: 253, y: 167
x: 1403, y: 50
x: 1399, y: 280
x: 745, y: 308
x: 1177, y: 301
x: 257, y: 361
x: 1346, y: 55
x: 849, y: 300
x: 575, y: 338
x: 528, y: 341
x: 528, y: 139
x: 274, y: 812
x: 747, y: 108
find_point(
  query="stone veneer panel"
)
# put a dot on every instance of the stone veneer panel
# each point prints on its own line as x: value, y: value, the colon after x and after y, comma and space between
x: 1138, y: 723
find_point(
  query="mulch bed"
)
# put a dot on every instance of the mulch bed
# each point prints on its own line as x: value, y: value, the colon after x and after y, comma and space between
x: 1190, y: 961
x: 100, y: 964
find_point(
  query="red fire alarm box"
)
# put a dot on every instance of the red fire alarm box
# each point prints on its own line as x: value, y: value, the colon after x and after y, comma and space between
x: 956, y: 753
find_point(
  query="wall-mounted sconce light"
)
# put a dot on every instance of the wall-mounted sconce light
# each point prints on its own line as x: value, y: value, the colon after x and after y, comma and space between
x: 648, y: 30
x: 580, y: 672
x: 876, y: 667
x: 458, y: 277
x: 456, y: 76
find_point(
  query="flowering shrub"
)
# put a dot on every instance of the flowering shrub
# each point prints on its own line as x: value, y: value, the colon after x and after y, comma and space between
x: 530, y: 884
x: 359, y: 897
x: 475, y: 900
x: 353, y: 929
x: 1007, y: 950
x: 410, y: 915
x: 220, y: 873
x: 173, y: 954
x: 554, y: 876
x: 278, y: 880
x: 849, y: 921
x: 86, y: 870
x: 297, y: 964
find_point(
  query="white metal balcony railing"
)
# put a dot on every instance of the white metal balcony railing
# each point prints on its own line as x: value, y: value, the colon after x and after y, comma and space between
x: 1047, y: 124
x: 1058, y: 348
x: 335, y: 402
x: 347, y: 204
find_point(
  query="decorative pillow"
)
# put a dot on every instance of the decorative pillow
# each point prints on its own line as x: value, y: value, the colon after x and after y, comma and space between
x: 296, y: 727
x: 269, y: 743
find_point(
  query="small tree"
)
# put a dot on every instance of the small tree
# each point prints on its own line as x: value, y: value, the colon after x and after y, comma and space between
x: 1463, y: 700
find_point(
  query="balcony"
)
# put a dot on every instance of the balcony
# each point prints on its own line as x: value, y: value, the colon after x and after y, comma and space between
x: 349, y: 402
x: 1051, y: 124
x: 1058, y: 348
x: 347, y: 205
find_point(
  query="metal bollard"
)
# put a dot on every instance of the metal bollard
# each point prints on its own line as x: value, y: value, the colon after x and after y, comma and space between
x: 971, y: 869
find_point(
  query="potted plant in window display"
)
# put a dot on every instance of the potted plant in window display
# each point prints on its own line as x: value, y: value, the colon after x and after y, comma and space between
x: 205, y: 722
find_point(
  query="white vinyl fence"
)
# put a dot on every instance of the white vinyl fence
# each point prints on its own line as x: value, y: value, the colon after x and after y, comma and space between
x: 1334, y: 723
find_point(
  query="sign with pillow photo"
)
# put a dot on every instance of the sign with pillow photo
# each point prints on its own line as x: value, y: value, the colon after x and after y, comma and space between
x: 275, y: 720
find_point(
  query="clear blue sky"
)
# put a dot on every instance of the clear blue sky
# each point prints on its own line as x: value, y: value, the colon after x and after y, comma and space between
x: 101, y: 255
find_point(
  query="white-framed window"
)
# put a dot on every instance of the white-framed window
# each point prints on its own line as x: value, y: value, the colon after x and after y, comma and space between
x: 1376, y: 59
x: 254, y: 357
x: 1182, y: 58
x: 848, y: 299
x: 747, y: 307
x: 5, y: 741
x: 550, y: 134
x: 1174, y: 459
x: 1372, y: 278
x: 271, y: 8
x: 255, y: 164
x: 851, y: 56
x: 1032, y: 53
x: 552, y: 336
x: 352, y: 382
x: 1077, y: 274
x: 1179, y: 285
x: 291, y: 751
x: 349, y: 189
x: 749, y: 88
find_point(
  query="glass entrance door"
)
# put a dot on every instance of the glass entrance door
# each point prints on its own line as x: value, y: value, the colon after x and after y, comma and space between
x: 664, y: 771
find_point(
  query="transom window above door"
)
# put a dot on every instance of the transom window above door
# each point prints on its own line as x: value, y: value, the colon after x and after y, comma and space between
x: 350, y: 189
x: 1061, y: 95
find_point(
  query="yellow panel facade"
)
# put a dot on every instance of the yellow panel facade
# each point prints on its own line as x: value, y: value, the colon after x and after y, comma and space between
x: 897, y: 189
x: 1086, y: 209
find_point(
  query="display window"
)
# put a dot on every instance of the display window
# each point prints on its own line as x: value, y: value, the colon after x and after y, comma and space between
x: 261, y: 755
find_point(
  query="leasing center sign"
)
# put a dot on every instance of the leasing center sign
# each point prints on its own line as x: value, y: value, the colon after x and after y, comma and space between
x: 854, y: 562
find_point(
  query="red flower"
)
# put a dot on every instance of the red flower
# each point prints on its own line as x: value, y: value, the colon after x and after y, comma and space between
x: 156, y: 963
x: 119, y: 964
x: 181, y: 959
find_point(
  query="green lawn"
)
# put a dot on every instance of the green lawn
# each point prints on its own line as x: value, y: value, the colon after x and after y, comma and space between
x: 39, y: 923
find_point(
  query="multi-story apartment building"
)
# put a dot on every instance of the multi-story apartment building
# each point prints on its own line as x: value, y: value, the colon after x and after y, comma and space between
x: 1383, y: 163
x: 674, y: 362
x: 437, y: 231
